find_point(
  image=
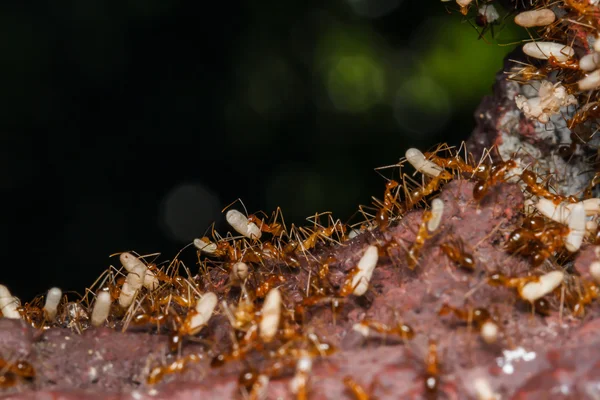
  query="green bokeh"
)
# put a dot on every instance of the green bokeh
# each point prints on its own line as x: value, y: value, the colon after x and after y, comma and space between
x: 459, y: 62
x: 351, y: 68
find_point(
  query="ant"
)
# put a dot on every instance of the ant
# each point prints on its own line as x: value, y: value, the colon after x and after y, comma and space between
x: 495, y: 174
x: 412, y: 257
x: 478, y: 316
x: 487, y: 18
x: 11, y: 371
x: 276, y: 229
x: 529, y: 178
x: 454, y: 163
x: 455, y: 250
x: 537, y: 239
x: 389, y: 203
x: 525, y: 74
x: 356, y: 389
x: 587, y: 112
x: 269, y: 283
x: 404, y: 331
x: 418, y: 194
x: 177, y: 366
x: 582, y: 294
x: 432, y: 370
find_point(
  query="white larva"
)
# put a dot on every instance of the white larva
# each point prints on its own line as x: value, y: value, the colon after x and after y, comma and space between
x: 133, y: 283
x: 437, y: 211
x: 239, y: 222
x: 271, y: 314
x: 205, y: 245
x: 417, y: 159
x: 576, y: 228
x: 101, y: 308
x: 204, y: 310
x: 130, y: 262
x: 591, y: 206
x: 489, y: 332
x: 483, y: 390
x: 543, y: 50
x: 239, y: 272
x: 547, y: 283
x: 559, y: 213
x: 8, y: 304
x: 590, y: 82
x: 52, y: 299
x: 590, y: 62
x: 542, y: 17
x: 366, y: 266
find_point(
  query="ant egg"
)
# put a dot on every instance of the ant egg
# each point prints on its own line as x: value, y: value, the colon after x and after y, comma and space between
x: 271, y: 312
x: 417, y: 159
x: 205, y: 245
x: 489, y: 332
x: 353, y: 233
x: 546, y: 284
x: 483, y: 390
x: 52, y: 299
x: 8, y: 304
x: 576, y: 228
x: 239, y: 222
x: 133, y: 283
x: 590, y: 62
x: 101, y: 308
x: 437, y: 210
x: 366, y: 266
x: 543, y: 50
x: 590, y: 82
x: 204, y: 310
x: 130, y: 262
x: 528, y: 19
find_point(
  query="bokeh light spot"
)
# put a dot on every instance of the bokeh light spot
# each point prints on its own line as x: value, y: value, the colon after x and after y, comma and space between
x: 464, y: 66
x: 422, y: 105
x: 187, y: 210
x: 355, y: 83
x: 373, y: 8
x: 351, y: 63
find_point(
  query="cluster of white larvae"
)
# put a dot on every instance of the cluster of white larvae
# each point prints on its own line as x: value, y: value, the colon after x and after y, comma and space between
x: 574, y: 215
x: 553, y: 96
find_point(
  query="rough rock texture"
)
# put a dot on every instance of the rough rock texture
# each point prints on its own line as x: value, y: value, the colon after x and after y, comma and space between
x: 534, y: 357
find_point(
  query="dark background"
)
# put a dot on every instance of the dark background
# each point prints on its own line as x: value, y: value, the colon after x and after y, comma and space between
x: 129, y: 125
